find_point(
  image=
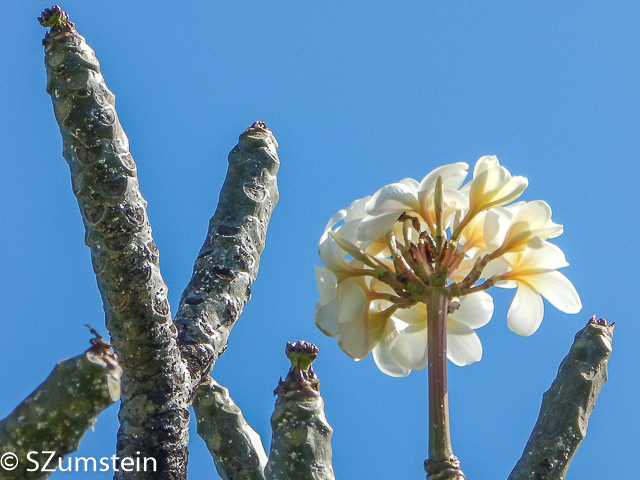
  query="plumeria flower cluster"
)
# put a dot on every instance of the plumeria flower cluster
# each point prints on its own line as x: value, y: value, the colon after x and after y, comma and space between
x: 383, y: 254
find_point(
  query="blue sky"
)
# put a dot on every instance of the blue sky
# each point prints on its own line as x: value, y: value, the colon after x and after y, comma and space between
x: 358, y: 94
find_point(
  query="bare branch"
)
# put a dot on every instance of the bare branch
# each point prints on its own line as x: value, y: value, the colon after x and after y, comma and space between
x: 301, y: 442
x: 154, y: 414
x: 228, y: 261
x: 55, y: 417
x: 567, y: 406
x: 236, y: 447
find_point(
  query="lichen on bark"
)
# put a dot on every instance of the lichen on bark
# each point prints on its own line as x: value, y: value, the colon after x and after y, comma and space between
x: 55, y: 417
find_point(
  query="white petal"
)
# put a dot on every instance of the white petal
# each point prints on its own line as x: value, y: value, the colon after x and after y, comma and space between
x: 326, y: 318
x: 526, y: 311
x: 463, y: 345
x: 530, y: 220
x: 385, y: 361
x: 536, y: 213
x: 541, y: 254
x: 374, y: 227
x: 325, y: 315
x: 348, y: 230
x: 495, y: 227
x: 358, y: 330
x: 475, y: 310
x: 327, y: 284
x: 352, y: 301
x: 409, y: 348
x: 498, y: 266
x: 329, y: 257
x: 462, y: 270
x: 357, y: 209
x: 455, y: 199
x: 558, y: 290
x: 396, y: 197
x: 484, y: 163
x: 333, y: 220
x: 452, y: 175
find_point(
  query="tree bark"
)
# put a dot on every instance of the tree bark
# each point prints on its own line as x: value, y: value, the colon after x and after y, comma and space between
x: 567, y: 406
x: 227, y: 264
x: 55, y: 417
x: 236, y: 448
x: 301, y: 442
x: 163, y: 361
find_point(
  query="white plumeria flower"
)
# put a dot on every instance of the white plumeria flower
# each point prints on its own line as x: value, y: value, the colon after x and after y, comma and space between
x: 511, y: 228
x: 351, y: 311
x: 385, y: 254
x: 492, y: 185
x: 534, y: 273
x: 333, y: 256
x: 406, y: 349
x: 407, y: 195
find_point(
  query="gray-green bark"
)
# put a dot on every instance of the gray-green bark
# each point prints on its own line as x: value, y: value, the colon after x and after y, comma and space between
x: 301, y: 442
x: 55, y: 417
x: 154, y: 412
x: 163, y: 361
x: 567, y: 406
x: 236, y: 448
x: 228, y: 261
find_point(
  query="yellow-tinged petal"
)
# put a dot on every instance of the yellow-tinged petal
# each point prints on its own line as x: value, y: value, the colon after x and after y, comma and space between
x: 530, y: 219
x: 492, y: 185
x: 558, y: 290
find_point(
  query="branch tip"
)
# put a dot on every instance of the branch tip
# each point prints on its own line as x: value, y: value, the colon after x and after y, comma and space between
x: 259, y: 124
x: 54, y: 17
x: 301, y: 377
x: 599, y: 321
x: 301, y: 353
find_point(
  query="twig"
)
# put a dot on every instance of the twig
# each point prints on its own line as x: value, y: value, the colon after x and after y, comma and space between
x: 567, y: 406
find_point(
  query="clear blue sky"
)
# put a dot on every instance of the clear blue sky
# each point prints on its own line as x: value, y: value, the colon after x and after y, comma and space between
x: 359, y: 94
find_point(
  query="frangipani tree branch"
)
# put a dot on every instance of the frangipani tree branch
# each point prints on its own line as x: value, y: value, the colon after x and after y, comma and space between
x: 160, y: 371
x: 154, y: 414
x: 236, y: 447
x: 55, y: 417
x: 567, y: 406
x: 301, y: 442
x: 228, y: 261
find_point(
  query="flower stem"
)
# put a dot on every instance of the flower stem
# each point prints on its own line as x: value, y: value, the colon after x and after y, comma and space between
x: 442, y: 463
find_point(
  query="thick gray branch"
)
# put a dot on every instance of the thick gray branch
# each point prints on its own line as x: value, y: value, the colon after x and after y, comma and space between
x: 236, y: 447
x: 158, y: 382
x: 154, y: 414
x: 567, y: 406
x: 228, y: 262
x: 55, y: 417
x: 301, y: 442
